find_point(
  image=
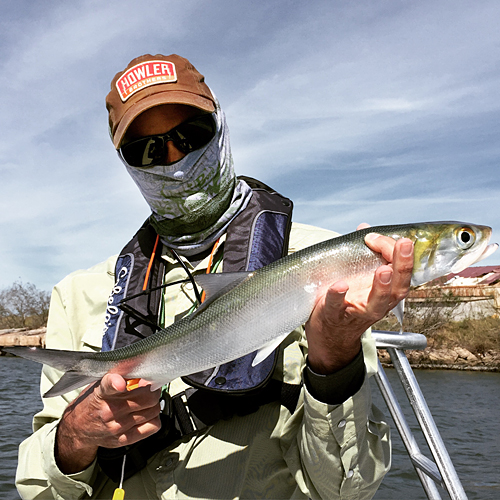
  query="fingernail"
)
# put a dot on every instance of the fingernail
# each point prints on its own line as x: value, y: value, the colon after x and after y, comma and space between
x: 406, y: 248
x: 386, y: 277
x: 372, y: 236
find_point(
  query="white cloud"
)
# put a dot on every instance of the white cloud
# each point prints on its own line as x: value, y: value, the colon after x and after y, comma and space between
x: 377, y: 111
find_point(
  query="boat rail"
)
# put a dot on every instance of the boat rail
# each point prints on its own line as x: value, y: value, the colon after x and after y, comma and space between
x: 431, y: 473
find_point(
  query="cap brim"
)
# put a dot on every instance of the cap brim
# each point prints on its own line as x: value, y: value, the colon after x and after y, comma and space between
x: 170, y: 97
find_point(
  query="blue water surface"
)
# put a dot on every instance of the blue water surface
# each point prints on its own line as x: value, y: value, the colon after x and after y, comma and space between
x: 465, y: 405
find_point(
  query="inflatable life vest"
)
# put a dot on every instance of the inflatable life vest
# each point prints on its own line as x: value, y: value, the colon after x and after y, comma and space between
x: 258, y: 236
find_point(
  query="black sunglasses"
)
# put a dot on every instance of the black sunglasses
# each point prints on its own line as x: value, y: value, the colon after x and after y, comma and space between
x: 189, y: 136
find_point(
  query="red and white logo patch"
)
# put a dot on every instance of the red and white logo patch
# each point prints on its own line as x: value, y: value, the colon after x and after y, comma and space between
x: 144, y: 75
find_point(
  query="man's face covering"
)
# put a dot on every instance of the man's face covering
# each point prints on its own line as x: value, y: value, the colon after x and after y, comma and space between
x: 194, y: 199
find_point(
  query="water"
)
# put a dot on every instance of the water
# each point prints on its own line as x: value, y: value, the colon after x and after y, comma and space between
x: 465, y: 405
x: 466, y: 408
x: 19, y: 401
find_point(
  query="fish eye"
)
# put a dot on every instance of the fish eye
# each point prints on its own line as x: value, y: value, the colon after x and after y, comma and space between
x: 465, y: 237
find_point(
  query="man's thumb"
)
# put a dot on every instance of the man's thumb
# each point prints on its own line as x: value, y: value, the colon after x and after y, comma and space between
x: 113, y: 384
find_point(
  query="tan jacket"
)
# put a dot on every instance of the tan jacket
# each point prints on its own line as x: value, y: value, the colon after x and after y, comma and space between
x: 319, y: 451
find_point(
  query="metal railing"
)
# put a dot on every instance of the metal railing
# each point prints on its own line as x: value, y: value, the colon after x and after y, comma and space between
x: 431, y: 473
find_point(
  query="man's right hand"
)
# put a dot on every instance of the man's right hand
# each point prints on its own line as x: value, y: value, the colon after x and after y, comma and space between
x: 105, y: 414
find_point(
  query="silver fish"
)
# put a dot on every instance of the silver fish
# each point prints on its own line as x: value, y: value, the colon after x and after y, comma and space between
x: 255, y: 311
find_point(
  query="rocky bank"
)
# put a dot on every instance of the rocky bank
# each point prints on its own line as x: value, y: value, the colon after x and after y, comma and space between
x: 23, y: 336
x: 448, y: 358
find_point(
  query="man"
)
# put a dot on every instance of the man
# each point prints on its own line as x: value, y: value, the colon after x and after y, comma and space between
x: 323, y: 440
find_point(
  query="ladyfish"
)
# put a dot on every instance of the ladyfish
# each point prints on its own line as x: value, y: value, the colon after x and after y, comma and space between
x: 255, y: 311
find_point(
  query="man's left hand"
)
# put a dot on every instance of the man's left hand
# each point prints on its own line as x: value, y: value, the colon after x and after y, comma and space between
x: 343, y: 314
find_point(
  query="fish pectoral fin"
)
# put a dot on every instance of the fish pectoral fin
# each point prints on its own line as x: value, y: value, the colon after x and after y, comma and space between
x: 69, y: 381
x: 266, y: 350
x: 399, y: 312
x: 216, y: 285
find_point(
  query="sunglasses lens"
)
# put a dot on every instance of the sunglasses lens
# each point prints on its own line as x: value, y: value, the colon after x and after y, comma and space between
x: 193, y: 135
x: 188, y: 136
x: 143, y: 152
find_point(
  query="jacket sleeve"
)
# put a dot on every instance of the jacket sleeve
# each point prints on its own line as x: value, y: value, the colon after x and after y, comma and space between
x: 75, y: 322
x: 339, y: 451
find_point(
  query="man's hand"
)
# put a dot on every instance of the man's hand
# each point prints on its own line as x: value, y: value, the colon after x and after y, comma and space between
x: 105, y: 414
x: 342, y: 315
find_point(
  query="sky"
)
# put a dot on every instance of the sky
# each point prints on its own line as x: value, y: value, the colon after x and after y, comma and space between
x: 383, y: 112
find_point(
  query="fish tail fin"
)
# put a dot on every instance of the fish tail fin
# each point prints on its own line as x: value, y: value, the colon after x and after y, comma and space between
x: 66, y: 361
x: 59, y: 359
x: 69, y: 381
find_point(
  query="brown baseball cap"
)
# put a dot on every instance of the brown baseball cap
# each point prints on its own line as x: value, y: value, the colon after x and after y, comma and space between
x: 150, y: 81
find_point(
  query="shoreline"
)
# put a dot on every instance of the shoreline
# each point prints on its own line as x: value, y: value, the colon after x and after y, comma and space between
x: 451, y: 357
x: 455, y: 367
x: 11, y: 337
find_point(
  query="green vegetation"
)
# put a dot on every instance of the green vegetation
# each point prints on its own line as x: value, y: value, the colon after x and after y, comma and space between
x: 478, y: 335
x: 440, y: 320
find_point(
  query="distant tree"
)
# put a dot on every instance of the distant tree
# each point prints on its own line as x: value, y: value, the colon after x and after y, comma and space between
x: 23, y: 305
x: 3, y: 310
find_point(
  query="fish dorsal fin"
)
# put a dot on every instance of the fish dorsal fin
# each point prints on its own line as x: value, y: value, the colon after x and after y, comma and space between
x: 267, y: 349
x: 220, y: 283
x: 216, y: 285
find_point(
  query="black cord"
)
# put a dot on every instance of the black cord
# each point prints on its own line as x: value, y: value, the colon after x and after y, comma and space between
x: 147, y: 292
x: 139, y: 316
x: 188, y: 272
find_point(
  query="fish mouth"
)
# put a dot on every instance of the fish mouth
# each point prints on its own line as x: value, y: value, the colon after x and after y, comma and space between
x: 474, y: 258
x: 489, y: 250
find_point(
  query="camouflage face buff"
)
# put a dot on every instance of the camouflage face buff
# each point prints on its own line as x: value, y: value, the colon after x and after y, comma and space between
x: 194, y: 199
